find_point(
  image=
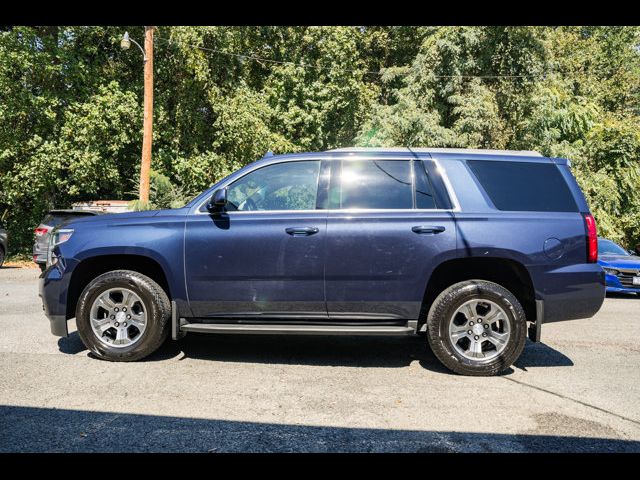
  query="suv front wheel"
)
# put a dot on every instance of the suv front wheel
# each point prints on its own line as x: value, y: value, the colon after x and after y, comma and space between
x: 476, y: 328
x: 123, y: 316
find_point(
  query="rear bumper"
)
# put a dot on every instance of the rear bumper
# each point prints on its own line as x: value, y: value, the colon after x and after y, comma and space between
x: 571, y: 292
x: 53, y: 292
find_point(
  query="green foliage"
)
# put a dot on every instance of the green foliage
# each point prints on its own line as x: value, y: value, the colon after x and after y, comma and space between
x: 71, y: 106
x: 163, y: 194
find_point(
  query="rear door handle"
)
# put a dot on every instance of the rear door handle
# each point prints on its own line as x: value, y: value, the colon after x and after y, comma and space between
x: 424, y: 229
x: 301, y: 231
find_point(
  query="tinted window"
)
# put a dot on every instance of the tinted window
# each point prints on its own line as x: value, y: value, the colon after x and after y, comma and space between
x: 382, y: 184
x: 283, y: 186
x: 424, y: 192
x: 524, y: 186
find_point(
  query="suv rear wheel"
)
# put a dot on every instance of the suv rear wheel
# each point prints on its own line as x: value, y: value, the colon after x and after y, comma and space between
x: 476, y: 328
x: 123, y: 316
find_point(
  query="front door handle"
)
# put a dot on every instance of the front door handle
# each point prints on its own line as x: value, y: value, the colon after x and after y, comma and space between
x: 423, y: 229
x: 301, y: 231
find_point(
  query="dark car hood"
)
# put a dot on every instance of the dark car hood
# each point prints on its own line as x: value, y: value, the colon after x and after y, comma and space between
x: 116, y: 218
x: 620, y: 261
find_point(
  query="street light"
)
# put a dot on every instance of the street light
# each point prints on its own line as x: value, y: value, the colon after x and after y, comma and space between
x: 147, y: 136
x: 125, y: 43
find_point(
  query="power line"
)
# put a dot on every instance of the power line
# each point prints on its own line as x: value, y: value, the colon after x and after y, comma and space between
x: 243, y: 56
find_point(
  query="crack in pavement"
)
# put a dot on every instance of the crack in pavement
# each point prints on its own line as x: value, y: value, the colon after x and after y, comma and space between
x: 573, y: 400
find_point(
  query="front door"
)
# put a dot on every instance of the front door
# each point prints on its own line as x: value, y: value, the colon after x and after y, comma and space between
x: 386, y: 231
x: 263, y: 257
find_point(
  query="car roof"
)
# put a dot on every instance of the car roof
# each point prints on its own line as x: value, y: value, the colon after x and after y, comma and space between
x: 466, y: 151
x: 398, y: 153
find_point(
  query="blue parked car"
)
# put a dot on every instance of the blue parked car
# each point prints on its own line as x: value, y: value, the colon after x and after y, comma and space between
x: 622, y: 268
x: 473, y: 248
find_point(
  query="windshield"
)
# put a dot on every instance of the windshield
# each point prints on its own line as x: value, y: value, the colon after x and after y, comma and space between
x: 607, y: 247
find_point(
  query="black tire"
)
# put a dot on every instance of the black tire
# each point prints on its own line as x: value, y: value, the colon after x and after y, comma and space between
x: 1, y: 257
x: 442, y: 311
x: 156, y: 303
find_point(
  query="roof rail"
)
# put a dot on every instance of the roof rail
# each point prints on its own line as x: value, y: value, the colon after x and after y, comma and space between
x: 476, y: 151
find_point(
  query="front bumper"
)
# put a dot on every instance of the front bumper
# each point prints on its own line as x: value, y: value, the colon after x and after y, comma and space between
x: 39, y: 255
x: 53, y: 292
x: 615, y: 286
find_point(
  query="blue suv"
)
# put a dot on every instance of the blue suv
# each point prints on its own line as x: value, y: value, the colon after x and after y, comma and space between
x: 475, y: 249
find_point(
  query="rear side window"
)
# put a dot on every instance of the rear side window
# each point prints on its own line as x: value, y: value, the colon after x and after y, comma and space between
x: 524, y: 186
x: 377, y: 184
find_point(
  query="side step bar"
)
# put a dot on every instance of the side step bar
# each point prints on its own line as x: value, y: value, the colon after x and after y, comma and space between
x: 295, y: 329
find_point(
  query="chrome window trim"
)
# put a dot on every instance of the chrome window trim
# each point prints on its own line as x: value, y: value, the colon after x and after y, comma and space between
x: 447, y: 185
x: 445, y: 178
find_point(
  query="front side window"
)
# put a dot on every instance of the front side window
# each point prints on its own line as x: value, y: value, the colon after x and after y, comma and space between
x: 373, y: 184
x: 282, y: 186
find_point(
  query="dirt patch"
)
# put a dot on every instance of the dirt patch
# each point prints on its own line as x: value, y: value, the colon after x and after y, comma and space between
x: 19, y: 264
x: 566, y: 425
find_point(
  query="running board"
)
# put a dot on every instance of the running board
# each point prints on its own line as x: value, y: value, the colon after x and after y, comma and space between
x: 295, y: 329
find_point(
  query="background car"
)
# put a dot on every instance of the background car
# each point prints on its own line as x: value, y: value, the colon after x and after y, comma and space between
x: 3, y: 243
x: 621, y: 267
x: 42, y: 232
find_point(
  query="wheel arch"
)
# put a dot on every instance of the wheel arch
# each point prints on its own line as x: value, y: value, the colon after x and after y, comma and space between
x: 91, y: 267
x: 508, y: 273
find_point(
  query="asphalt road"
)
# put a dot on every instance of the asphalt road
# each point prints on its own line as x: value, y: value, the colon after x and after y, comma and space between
x: 579, y: 391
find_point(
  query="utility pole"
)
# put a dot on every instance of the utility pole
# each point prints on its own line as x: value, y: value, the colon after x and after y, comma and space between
x: 147, y: 138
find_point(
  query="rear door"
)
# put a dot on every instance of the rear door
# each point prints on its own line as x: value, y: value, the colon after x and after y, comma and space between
x: 389, y: 224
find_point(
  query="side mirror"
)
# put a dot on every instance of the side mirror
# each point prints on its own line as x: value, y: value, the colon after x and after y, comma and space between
x: 218, y: 200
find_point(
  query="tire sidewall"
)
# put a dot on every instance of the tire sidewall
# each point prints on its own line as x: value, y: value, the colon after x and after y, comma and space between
x: 444, y: 311
x: 155, y: 321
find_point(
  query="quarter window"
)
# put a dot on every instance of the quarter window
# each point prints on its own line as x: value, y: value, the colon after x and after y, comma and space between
x: 524, y: 186
x: 282, y: 186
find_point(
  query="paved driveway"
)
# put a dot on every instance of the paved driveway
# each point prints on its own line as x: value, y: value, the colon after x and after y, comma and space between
x: 578, y: 391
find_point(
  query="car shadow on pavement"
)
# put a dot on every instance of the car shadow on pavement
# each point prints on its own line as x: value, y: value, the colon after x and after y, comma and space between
x: 541, y: 355
x: 31, y: 429
x: 351, y: 351
x: 347, y: 351
x: 626, y: 296
x: 71, y: 345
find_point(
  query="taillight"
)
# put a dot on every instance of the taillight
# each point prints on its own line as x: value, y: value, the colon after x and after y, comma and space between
x: 592, y: 238
x: 41, y: 231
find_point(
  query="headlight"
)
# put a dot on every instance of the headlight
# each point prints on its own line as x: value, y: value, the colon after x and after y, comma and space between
x: 57, y: 237
x: 611, y: 271
x: 61, y: 236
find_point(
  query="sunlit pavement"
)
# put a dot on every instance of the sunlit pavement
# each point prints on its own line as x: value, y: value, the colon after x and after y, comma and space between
x: 577, y: 391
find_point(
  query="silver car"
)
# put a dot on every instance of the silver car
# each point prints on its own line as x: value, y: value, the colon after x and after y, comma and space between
x: 42, y: 232
x: 4, y: 242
